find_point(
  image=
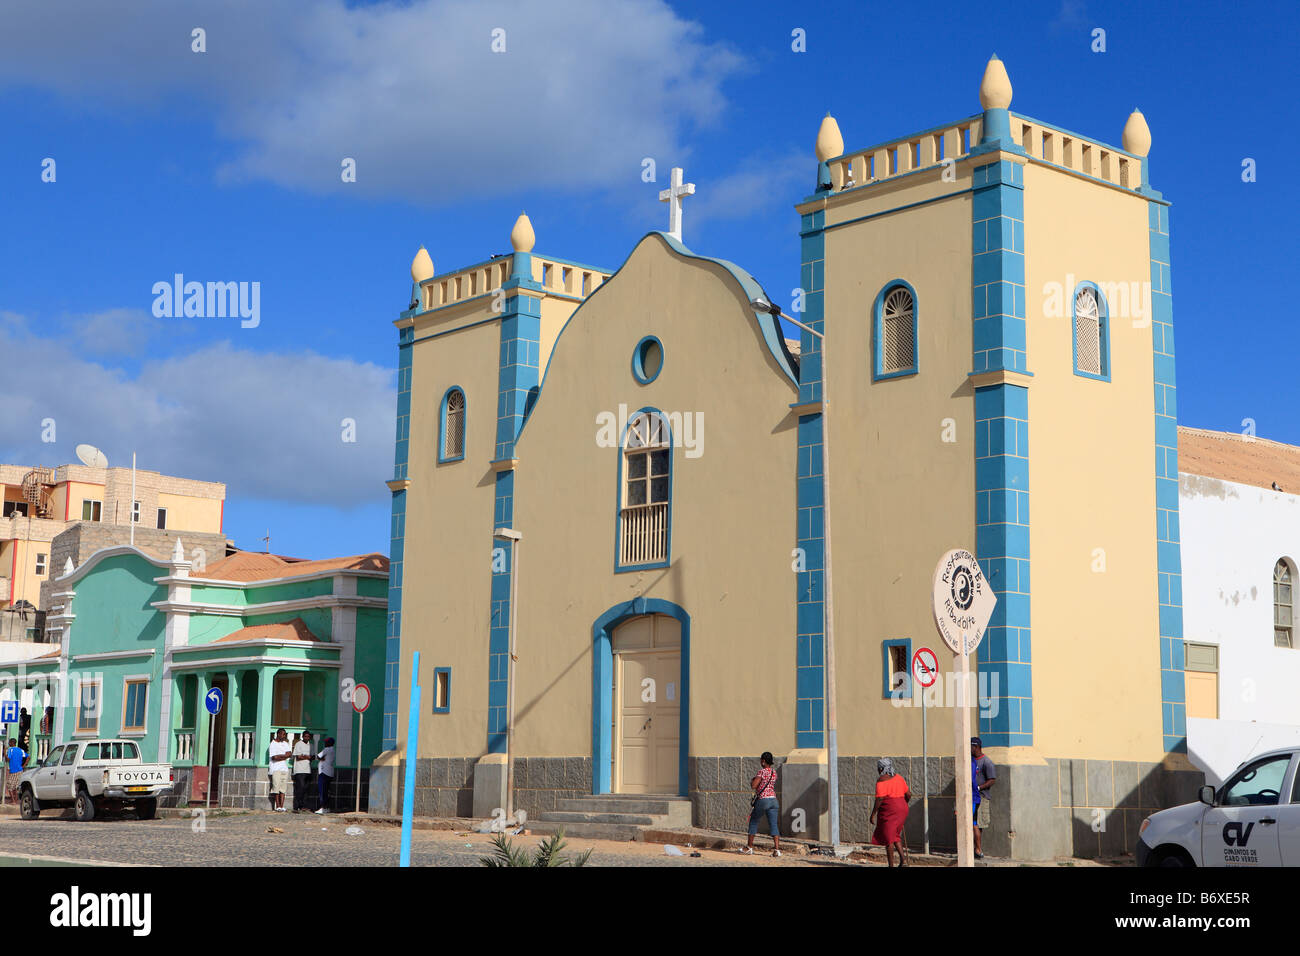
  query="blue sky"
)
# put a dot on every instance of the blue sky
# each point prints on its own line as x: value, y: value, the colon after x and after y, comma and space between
x: 225, y: 166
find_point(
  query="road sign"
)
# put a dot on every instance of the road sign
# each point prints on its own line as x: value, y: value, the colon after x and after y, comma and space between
x: 925, y: 667
x: 214, y: 700
x: 360, y: 698
x: 8, y: 712
x: 963, y: 601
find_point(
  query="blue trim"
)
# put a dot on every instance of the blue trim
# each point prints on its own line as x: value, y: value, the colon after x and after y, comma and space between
x: 397, y: 542
x: 1002, y: 445
x: 1169, y: 567
x: 446, y: 709
x: 1103, y: 331
x: 638, y: 360
x: 878, y: 332
x: 602, y: 687
x: 810, y: 533
x: 442, y: 426
x: 885, y: 672
x: 618, y: 495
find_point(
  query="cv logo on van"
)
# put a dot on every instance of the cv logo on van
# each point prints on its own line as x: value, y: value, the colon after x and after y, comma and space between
x: 1235, y: 835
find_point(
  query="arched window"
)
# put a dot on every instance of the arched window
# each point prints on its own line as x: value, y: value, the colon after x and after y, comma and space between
x: 1282, y: 605
x: 646, y: 489
x: 1091, y: 348
x: 895, y: 331
x: 451, y: 445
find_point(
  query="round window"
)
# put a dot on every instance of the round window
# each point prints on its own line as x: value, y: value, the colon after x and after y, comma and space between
x: 647, y: 360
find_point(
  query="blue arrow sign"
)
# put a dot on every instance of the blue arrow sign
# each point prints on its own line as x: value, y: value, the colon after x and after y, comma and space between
x: 9, y: 712
x: 214, y: 701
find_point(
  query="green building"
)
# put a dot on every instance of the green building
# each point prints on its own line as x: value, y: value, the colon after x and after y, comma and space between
x: 136, y: 644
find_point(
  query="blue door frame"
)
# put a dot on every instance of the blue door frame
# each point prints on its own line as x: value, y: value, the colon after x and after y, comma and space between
x: 602, y: 686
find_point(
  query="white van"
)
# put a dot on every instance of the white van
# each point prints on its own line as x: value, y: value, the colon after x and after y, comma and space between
x: 1253, y: 820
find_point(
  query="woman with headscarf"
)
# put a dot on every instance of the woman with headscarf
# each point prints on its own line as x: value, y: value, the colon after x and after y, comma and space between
x: 890, y: 812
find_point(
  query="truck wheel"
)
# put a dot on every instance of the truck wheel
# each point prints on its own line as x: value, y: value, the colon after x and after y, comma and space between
x: 85, y: 806
x: 27, y: 805
x: 1174, y: 857
x: 146, y: 809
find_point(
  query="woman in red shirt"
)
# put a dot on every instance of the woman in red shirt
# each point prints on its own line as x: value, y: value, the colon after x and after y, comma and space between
x: 764, y: 785
x: 890, y: 812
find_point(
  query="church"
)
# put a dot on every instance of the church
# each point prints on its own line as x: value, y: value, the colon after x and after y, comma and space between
x: 986, y: 361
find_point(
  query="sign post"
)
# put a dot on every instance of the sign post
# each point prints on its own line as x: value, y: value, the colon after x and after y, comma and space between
x: 213, y: 702
x: 925, y: 671
x: 963, y: 603
x: 360, y: 701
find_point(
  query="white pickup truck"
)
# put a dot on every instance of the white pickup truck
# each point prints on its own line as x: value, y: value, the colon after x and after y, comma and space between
x: 1252, y: 820
x: 92, y: 776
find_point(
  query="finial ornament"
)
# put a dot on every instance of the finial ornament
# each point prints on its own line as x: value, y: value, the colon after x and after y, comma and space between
x: 522, y: 237
x: 995, y: 87
x: 829, y: 141
x: 178, y: 552
x: 421, y: 266
x: 1137, y: 135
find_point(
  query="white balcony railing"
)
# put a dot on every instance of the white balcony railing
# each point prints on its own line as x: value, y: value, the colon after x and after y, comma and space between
x: 643, y: 537
x: 185, y: 745
x: 244, y: 745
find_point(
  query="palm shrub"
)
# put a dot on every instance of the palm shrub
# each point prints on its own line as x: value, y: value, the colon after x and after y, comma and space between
x: 548, y: 853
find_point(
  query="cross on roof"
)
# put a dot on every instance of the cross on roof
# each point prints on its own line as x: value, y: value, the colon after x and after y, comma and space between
x: 673, y: 195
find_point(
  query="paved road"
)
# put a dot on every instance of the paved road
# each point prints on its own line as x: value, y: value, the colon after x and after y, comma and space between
x: 307, y: 840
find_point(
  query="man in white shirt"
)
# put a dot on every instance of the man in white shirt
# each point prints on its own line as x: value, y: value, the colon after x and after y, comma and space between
x: 326, y: 774
x: 301, y: 771
x: 278, y: 754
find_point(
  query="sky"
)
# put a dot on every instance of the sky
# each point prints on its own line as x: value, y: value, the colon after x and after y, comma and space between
x: 129, y: 157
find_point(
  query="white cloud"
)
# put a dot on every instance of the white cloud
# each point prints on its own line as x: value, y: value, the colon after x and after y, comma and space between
x: 412, y: 92
x: 266, y: 424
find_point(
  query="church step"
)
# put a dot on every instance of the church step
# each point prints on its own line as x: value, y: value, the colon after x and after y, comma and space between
x: 589, y: 831
x: 654, y: 806
x: 575, y: 816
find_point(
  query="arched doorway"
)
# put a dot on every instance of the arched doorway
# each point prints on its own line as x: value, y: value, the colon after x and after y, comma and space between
x: 640, y: 698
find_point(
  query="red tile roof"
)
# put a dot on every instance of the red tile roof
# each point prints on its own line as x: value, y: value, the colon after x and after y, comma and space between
x: 256, y: 566
x: 294, y: 630
x: 1229, y: 456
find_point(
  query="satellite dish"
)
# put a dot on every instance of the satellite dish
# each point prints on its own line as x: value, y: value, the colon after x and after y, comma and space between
x: 92, y: 456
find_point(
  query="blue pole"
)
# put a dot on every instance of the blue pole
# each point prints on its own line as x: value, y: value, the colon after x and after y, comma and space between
x: 412, y: 752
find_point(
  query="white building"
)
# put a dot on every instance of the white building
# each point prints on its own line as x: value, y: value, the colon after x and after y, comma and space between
x: 1239, y: 507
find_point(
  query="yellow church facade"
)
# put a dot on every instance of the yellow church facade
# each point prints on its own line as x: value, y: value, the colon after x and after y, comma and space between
x: 629, y: 463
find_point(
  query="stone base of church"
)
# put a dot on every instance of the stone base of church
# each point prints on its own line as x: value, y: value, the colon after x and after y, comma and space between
x: 1041, y: 809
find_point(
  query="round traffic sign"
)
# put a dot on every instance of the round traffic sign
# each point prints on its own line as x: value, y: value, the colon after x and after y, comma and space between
x: 925, y: 667
x: 360, y: 698
x: 214, y: 700
x: 963, y: 601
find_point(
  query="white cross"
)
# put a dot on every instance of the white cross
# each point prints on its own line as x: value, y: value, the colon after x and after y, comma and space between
x: 673, y: 196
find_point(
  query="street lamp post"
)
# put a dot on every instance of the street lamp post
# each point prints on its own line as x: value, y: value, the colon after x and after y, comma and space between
x: 514, y: 537
x: 828, y: 607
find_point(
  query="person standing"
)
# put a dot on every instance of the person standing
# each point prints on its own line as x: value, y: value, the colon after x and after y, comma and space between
x: 325, y: 774
x: 890, y: 811
x: 984, y: 776
x: 765, y: 803
x: 301, y: 771
x: 278, y: 758
x: 24, y: 728
x: 15, y: 757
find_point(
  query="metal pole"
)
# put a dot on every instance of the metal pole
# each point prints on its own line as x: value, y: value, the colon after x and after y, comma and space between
x: 131, y: 518
x: 961, y: 722
x: 412, y: 754
x: 361, y: 726
x: 212, y: 752
x: 925, y: 770
x: 829, y: 606
x: 510, y: 704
